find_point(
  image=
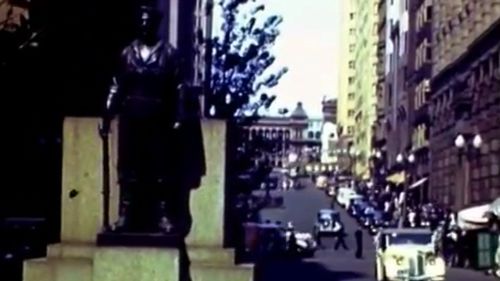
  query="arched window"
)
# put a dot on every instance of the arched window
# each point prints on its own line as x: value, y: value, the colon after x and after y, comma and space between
x: 310, y: 135
x: 318, y: 135
x: 267, y: 133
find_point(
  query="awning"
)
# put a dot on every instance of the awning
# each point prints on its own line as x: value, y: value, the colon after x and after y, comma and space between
x: 396, y: 178
x: 418, y: 183
x: 474, y: 217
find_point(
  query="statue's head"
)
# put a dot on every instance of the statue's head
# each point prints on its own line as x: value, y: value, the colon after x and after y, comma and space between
x: 150, y: 19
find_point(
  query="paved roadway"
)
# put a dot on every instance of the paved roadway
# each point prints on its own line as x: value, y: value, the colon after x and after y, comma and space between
x: 329, y: 265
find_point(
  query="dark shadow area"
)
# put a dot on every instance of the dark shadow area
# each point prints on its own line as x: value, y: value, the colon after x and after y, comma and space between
x: 300, y: 270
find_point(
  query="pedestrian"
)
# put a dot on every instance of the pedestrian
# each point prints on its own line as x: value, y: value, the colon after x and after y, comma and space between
x: 341, y: 234
x: 359, y: 243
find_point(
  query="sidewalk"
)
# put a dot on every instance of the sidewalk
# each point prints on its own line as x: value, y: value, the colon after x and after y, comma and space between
x: 459, y: 274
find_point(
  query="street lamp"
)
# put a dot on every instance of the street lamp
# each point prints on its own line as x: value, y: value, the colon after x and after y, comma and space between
x: 308, y: 168
x: 468, y: 145
x: 407, y: 164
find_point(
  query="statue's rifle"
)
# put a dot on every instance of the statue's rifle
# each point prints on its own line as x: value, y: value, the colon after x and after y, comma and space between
x: 104, y: 132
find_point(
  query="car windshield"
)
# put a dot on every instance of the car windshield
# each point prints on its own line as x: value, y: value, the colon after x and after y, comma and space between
x: 409, y: 238
x: 325, y: 217
x: 322, y: 217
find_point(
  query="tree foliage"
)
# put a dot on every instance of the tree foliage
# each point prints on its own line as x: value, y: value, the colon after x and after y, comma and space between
x: 241, y: 56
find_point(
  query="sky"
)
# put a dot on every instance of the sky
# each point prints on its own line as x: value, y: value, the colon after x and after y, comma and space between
x: 308, y: 47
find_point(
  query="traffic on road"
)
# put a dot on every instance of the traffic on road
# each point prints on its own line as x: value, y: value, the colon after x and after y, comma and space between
x: 352, y: 237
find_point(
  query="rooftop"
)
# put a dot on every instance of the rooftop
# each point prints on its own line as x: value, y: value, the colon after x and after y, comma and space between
x: 299, y: 112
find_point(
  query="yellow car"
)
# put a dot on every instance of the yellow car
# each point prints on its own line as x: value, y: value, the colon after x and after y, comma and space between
x: 407, y: 254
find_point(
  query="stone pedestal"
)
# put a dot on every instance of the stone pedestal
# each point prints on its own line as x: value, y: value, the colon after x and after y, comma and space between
x: 77, y: 258
x: 210, y: 261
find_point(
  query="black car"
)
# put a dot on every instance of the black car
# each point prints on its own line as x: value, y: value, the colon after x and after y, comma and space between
x: 357, y: 206
x: 376, y: 221
x: 326, y: 223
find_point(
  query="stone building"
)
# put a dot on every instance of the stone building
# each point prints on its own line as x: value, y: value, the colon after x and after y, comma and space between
x: 465, y: 101
x: 365, y: 64
x: 418, y: 81
x: 288, y: 134
x: 396, y: 98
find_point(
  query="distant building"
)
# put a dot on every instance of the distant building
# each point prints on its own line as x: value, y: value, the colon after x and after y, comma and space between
x: 295, y: 133
x: 357, y: 99
x: 329, y: 108
x: 329, y: 140
x: 329, y: 132
x: 347, y: 80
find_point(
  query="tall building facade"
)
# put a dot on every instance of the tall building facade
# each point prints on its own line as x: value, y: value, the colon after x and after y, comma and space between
x: 396, y: 98
x: 347, y: 79
x: 378, y: 165
x: 465, y: 102
x: 418, y: 81
x: 365, y: 71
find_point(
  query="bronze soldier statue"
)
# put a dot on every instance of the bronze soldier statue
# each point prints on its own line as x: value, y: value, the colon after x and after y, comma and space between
x: 161, y: 154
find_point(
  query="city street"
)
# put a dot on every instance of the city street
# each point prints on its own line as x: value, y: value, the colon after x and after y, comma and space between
x: 329, y: 265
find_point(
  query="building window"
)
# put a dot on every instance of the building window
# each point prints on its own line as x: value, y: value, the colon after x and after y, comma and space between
x: 351, y: 47
x: 351, y: 16
x: 428, y: 53
x: 310, y: 135
x: 350, y: 96
x: 351, y: 31
x: 351, y: 64
x: 428, y: 11
x: 351, y: 80
x: 350, y: 113
x: 318, y: 135
x: 350, y: 130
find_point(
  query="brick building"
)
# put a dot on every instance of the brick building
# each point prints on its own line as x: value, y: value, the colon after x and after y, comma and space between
x: 465, y: 101
x: 418, y: 81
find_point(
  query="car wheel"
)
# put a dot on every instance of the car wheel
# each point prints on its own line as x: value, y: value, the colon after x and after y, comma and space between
x: 496, y: 272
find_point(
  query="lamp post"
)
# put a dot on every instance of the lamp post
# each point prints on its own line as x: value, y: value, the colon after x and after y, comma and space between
x: 407, y: 163
x: 468, y: 146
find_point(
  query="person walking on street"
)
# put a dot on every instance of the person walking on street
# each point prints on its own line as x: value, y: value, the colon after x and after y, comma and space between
x: 359, y: 243
x: 341, y: 234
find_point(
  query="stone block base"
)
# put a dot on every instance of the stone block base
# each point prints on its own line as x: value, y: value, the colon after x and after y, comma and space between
x: 80, y: 262
x: 217, y: 264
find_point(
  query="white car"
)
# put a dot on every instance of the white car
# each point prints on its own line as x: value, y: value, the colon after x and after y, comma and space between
x: 345, y: 195
x: 407, y: 254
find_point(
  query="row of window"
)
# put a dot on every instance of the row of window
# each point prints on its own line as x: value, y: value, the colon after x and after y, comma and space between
x: 312, y: 135
x: 483, y: 71
x: 424, y: 13
x: 421, y: 92
x: 420, y: 136
x: 423, y: 54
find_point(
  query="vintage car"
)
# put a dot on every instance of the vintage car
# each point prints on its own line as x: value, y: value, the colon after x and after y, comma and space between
x: 407, y: 254
x: 326, y: 222
x: 306, y: 246
x: 330, y: 191
x: 322, y: 182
